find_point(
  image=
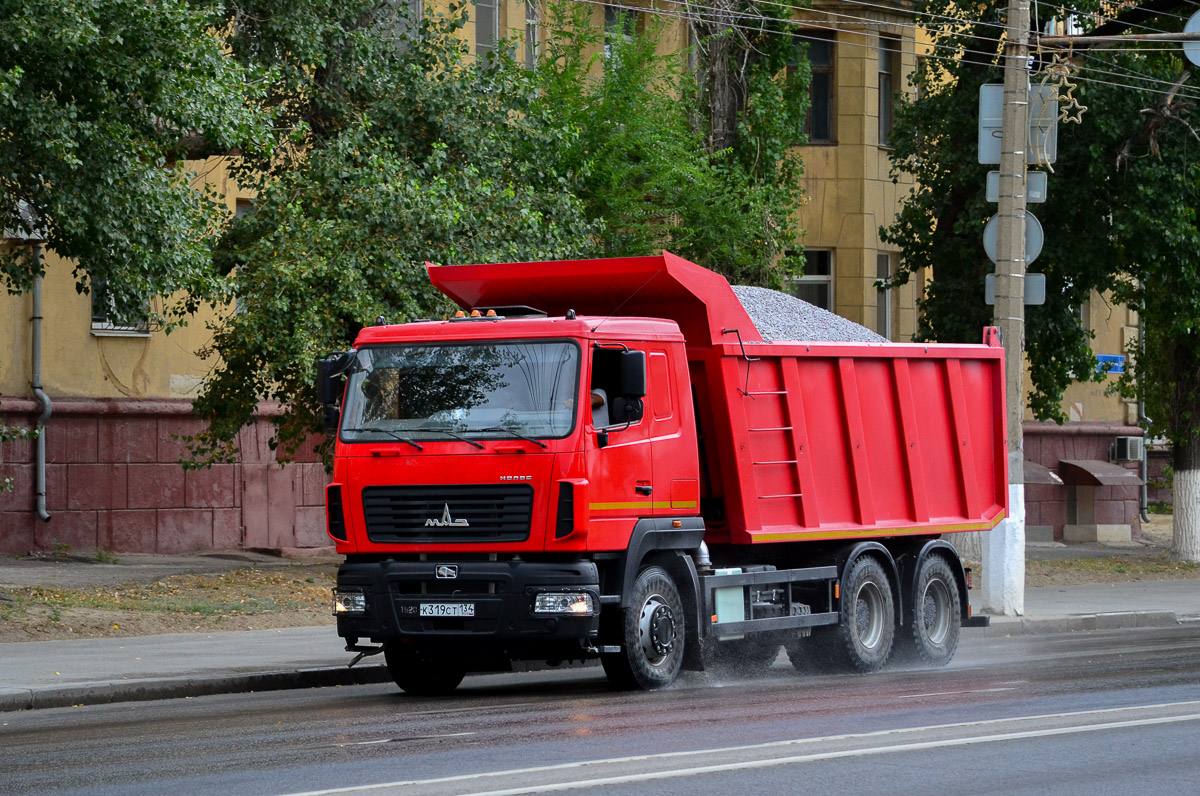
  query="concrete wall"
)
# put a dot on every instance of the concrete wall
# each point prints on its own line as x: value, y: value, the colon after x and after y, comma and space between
x: 114, y: 482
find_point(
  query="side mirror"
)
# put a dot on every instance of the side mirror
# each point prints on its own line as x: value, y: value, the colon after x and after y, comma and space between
x: 331, y: 418
x: 633, y: 374
x: 331, y: 376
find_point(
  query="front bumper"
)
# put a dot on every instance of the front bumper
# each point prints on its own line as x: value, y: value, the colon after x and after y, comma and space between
x: 500, y: 596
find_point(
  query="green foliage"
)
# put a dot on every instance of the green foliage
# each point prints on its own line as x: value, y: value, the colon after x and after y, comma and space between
x: 1102, y: 224
x: 100, y: 102
x: 395, y: 148
x: 747, y: 229
x: 641, y: 163
x: 434, y: 160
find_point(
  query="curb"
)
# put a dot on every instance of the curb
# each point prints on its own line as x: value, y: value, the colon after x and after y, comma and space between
x: 1077, y: 623
x: 106, y: 692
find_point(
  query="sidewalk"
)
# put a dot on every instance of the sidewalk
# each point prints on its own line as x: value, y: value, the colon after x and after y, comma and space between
x: 47, y: 674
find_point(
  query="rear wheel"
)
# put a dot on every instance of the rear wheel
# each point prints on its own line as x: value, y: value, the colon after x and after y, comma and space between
x: 652, y: 635
x: 932, y: 636
x: 866, y: 626
x: 419, y: 674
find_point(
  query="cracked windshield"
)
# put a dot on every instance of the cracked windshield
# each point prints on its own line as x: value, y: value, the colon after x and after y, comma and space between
x: 489, y: 390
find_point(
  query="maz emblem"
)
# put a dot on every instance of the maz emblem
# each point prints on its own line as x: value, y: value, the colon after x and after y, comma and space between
x: 446, y: 521
x: 445, y: 571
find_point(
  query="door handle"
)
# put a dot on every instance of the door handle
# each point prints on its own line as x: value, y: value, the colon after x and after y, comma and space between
x: 643, y: 490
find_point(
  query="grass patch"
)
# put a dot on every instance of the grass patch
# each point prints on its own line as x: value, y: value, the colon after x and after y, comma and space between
x: 243, y: 592
x: 1157, y: 565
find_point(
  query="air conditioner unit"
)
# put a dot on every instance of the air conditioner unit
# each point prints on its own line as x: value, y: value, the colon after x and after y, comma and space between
x: 1128, y: 449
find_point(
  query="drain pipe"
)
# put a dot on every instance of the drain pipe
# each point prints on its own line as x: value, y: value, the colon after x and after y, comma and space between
x: 43, y: 399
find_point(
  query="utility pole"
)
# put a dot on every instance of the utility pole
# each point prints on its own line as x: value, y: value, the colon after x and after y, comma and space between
x: 1004, y: 545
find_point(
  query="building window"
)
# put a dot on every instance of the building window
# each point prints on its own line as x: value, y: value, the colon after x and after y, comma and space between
x: 104, y: 320
x: 532, y: 33
x: 243, y: 208
x: 819, y: 125
x: 620, y: 22
x: 883, y: 299
x: 889, y: 84
x: 487, y: 26
x: 816, y: 286
x: 406, y: 23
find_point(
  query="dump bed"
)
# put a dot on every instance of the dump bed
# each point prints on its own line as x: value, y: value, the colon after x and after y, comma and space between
x: 805, y: 439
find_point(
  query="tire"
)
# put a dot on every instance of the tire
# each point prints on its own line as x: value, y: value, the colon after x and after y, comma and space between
x: 420, y: 674
x: 812, y: 654
x: 866, y: 626
x: 932, y: 636
x: 653, y: 631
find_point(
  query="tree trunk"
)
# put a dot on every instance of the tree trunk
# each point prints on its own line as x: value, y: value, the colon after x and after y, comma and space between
x: 1187, y: 498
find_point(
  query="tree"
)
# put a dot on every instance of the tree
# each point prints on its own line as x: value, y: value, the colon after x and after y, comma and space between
x: 1121, y: 219
x: 395, y: 148
x: 100, y: 103
x: 405, y: 154
x: 645, y: 161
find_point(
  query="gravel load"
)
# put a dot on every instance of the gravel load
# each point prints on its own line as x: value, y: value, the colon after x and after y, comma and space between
x: 780, y: 317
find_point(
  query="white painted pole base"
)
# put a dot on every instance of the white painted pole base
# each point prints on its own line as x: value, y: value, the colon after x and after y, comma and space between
x: 1187, y: 515
x: 1004, y: 560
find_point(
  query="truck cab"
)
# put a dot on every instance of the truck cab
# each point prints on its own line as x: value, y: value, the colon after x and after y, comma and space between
x: 490, y: 471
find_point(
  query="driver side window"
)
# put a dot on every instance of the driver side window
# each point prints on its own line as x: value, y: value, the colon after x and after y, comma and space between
x: 609, y: 407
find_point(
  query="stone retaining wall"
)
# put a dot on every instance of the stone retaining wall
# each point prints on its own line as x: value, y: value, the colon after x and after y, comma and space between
x: 114, y: 482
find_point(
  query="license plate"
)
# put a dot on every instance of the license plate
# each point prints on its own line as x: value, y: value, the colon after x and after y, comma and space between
x: 447, y: 609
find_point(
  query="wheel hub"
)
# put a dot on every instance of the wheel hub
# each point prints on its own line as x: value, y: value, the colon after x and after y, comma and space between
x: 935, y: 607
x: 656, y: 629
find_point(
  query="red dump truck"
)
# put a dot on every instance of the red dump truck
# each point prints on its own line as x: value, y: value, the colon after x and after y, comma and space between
x: 605, y: 459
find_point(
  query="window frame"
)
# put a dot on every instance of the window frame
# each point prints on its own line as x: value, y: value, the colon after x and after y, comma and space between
x: 884, y: 316
x: 888, y: 64
x: 485, y: 48
x: 619, y: 16
x: 830, y: 69
x: 533, y: 20
x: 101, y: 323
x: 827, y: 280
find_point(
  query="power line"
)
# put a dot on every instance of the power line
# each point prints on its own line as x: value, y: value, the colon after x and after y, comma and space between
x: 723, y: 16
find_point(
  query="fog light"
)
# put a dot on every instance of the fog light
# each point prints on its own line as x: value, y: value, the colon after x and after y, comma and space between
x: 570, y: 603
x: 349, y: 603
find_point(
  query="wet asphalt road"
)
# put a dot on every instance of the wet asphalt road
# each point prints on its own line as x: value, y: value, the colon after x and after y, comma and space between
x: 1103, y: 712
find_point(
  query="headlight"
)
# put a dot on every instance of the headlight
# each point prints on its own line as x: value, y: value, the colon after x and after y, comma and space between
x: 570, y: 603
x: 349, y: 603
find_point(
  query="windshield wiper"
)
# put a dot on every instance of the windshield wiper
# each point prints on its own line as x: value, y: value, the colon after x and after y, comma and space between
x: 450, y: 433
x: 389, y: 432
x: 517, y: 434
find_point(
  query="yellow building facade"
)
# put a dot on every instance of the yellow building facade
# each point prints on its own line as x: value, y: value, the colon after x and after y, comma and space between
x: 121, y: 395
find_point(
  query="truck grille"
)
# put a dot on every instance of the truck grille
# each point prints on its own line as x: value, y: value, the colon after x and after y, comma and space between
x: 440, y: 513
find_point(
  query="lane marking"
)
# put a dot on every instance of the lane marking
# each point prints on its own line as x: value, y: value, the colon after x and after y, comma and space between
x: 378, y: 741
x: 820, y: 756
x: 802, y: 742
x: 954, y: 693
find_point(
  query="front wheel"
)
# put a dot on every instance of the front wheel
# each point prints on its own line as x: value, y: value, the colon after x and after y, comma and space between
x: 419, y: 674
x: 653, y: 630
x: 932, y: 637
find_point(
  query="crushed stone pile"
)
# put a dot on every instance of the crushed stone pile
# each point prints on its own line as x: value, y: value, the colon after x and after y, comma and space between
x: 780, y: 317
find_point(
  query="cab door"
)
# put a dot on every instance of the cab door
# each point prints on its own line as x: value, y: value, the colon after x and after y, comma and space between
x: 670, y: 416
x: 620, y: 464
